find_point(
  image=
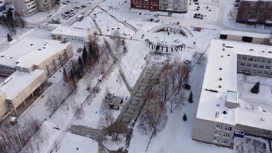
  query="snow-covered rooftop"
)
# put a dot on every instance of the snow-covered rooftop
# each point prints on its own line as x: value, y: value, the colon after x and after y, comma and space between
x: 221, y: 77
x: 37, y: 47
x: 47, y: 50
x: 244, y: 33
x: 65, y: 30
x: 18, y: 81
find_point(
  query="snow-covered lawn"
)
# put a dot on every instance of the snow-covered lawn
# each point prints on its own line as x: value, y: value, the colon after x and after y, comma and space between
x: 261, y: 101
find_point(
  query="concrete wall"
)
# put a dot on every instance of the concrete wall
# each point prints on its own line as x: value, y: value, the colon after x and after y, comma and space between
x: 28, y: 90
x: 213, y: 132
x: 255, y: 131
x: 6, y: 71
x: 3, y: 106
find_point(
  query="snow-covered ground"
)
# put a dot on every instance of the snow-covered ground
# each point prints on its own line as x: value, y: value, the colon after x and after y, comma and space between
x: 134, y: 26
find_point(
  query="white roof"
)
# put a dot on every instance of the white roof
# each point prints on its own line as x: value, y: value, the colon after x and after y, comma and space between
x: 217, y: 83
x: 212, y: 99
x: 257, y: 119
x: 258, y: 0
x: 18, y: 81
x: 244, y: 33
x: 47, y: 50
x: 70, y: 31
x: 25, y: 46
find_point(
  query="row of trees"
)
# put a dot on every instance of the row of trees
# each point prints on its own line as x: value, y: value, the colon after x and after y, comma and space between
x: 165, y: 91
x: 16, y: 138
x: 12, y: 20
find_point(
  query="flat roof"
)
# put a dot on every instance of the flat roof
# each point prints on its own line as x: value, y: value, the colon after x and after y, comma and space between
x: 25, y: 46
x: 217, y: 82
x: 70, y: 31
x: 18, y: 81
x: 47, y: 50
x: 221, y: 79
x: 257, y: 119
x: 245, y: 33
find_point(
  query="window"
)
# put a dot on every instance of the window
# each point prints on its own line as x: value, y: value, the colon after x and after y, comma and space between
x: 249, y: 64
x: 259, y: 72
x: 242, y: 64
x: 225, y: 141
x: 250, y: 58
x: 228, y: 128
x: 268, y: 67
x: 266, y: 133
x: 266, y: 72
x: 255, y: 65
x: 219, y: 127
x: 261, y: 66
x: 244, y: 58
x: 268, y: 61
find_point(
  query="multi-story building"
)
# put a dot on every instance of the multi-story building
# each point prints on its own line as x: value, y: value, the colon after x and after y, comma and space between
x: 174, y: 5
x: 30, y: 7
x: 221, y: 114
x: 152, y: 5
x: 255, y: 11
x: 25, y: 7
x: 180, y: 6
x: 45, y: 5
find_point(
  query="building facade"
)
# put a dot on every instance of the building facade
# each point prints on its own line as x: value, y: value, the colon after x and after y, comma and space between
x: 220, y: 116
x: 30, y: 7
x: 180, y: 6
x: 255, y: 11
x: 25, y: 7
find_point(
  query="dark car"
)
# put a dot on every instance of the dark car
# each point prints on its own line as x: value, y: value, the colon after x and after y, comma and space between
x: 187, y: 86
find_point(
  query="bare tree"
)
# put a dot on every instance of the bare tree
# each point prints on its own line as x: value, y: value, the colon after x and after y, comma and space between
x: 116, y: 129
x: 53, y: 102
x: 57, y: 145
x: 153, y: 116
x: 79, y: 111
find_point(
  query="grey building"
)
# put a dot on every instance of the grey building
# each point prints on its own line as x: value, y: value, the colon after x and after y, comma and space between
x: 174, y: 5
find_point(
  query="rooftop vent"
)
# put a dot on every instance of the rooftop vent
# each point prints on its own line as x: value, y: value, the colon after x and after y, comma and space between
x: 10, y: 57
x: 269, y: 51
x: 220, y: 86
x: 220, y: 79
x: 262, y: 51
x: 216, y: 114
x: 220, y: 68
x: 224, y: 112
x: 211, y: 90
x: 31, y: 44
x: 2, y: 56
x: 222, y: 56
x: 217, y: 104
x: 39, y: 49
x: 262, y: 118
x: 251, y: 50
x: 228, y: 54
x: 223, y: 49
x: 223, y: 44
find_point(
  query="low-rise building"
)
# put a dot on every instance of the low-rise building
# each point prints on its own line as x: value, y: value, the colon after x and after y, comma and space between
x: 37, y: 53
x: 219, y: 115
x: 21, y: 85
x: 65, y: 33
x: 250, y: 37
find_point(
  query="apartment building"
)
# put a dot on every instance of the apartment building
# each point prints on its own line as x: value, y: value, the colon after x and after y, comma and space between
x: 221, y: 115
x: 30, y: 7
x: 25, y: 7
x: 45, y: 5
x: 152, y: 5
x: 255, y: 12
x: 180, y: 6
